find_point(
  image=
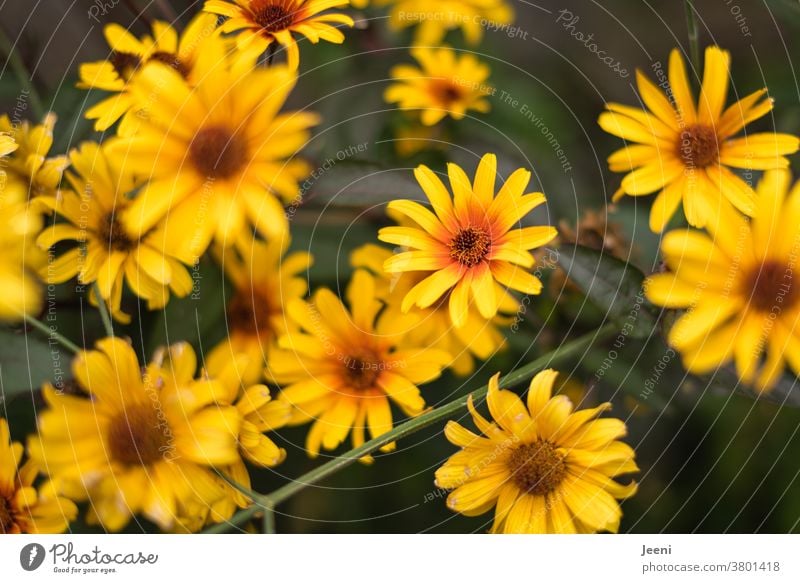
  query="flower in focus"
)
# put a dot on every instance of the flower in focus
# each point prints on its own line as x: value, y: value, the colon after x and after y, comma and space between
x: 479, y: 338
x: 342, y: 369
x: 444, y: 84
x: 468, y: 243
x: 217, y: 154
x: 434, y: 19
x: 107, y: 253
x: 264, y: 280
x: 28, y: 172
x: 544, y: 468
x: 685, y: 152
x: 142, y: 443
x: 260, y: 23
x: 23, y: 509
x: 129, y: 55
x: 738, y: 286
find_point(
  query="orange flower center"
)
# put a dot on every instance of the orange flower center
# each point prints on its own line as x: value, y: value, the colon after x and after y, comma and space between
x: 698, y: 146
x: 445, y: 91
x: 137, y: 437
x: 217, y: 152
x: 470, y: 246
x: 770, y: 286
x: 362, y: 370
x: 172, y: 60
x: 6, y: 516
x: 272, y: 16
x: 125, y: 64
x: 537, y: 468
x: 113, y: 236
x: 251, y: 314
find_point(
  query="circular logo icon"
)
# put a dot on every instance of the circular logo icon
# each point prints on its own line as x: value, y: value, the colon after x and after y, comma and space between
x: 31, y: 556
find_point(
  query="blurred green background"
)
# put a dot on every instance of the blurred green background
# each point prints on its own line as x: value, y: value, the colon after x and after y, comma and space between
x: 713, y: 458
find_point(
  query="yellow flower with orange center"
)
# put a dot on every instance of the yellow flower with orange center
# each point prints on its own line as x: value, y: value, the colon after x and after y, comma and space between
x: 685, y: 152
x: 543, y: 467
x: 468, y: 243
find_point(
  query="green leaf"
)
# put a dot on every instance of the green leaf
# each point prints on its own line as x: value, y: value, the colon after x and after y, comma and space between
x: 612, y: 285
x: 26, y: 361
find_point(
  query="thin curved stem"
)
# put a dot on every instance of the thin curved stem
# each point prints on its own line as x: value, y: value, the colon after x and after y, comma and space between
x: 22, y: 73
x: 694, y: 37
x: 52, y: 334
x: 102, y: 307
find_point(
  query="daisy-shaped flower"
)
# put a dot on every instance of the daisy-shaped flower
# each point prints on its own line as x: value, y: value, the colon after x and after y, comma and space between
x: 264, y: 281
x: 106, y: 252
x: 468, y: 243
x: 685, y: 152
x: 342, y: 369
x: 543, y: 467
x: 142, y: 442
x: 433, y: 20
x: 28, y: 172
x: 129, y: 54
x: 479, y: 338
x: 444, y: 84
x: 215, y: 154
x: 23, y: 509
x: 740, y: 287
x: 260, y: 23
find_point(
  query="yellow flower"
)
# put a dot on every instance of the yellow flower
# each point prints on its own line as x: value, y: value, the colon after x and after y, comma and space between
x: 107, y: 253
x: 434, y: 19
x: 215, y: 154
x: 344, y: 367
x: 445, y: 84
x: 260, y: 23
x: 738, y: 286
x: 129, y: 55
x: 28, y: 172
x: 23, y: 509
x: 685, y: 152
x: 264, y: 282
x: 545, y: 468
x: 469, y: 245
x: 143, y: 442
x: 478, y: 338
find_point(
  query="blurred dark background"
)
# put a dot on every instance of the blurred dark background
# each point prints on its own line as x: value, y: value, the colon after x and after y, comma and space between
x: 713, y: 457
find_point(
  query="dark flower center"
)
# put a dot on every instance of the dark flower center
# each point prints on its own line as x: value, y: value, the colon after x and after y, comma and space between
x: 172, y: 60
x: 216, y: 152
x: 138, y: 437
x: 470, y: 246
x: 271, y: 15
x: 250, y: 313
x: 698, y: 146
x: 362, y: 370
x: 537, y: 468
x: 6, y: 517
x: 125, y: 64
x: 446, y: 92
x: 770, y: 287
x: 113, y: 235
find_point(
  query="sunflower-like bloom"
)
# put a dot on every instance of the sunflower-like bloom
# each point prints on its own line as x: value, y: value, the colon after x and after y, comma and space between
x: 215, y: 154
x: 143, y: 442
x: 685, y: 152
x: 28, y: 172
x: 107, y: 253
x: 444, y: 84
x: 264, y: 281
x: 468, y: 244
x: 545, y: 468
x: 434, y: 19
x: 738, y: 285
x: 479, y: 338
x: 343, y: 367
x: 128, y: 56
x: 23, y: 509
x: 260, y: 23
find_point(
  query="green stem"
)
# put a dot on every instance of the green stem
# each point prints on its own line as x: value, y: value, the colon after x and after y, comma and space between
x: 269, y: 521
x: 269, y: 501
x: 238, y: 519
x: 22, y: 74
x: 51, y: 333
x: 102, y: 307
x: 694, y: 37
